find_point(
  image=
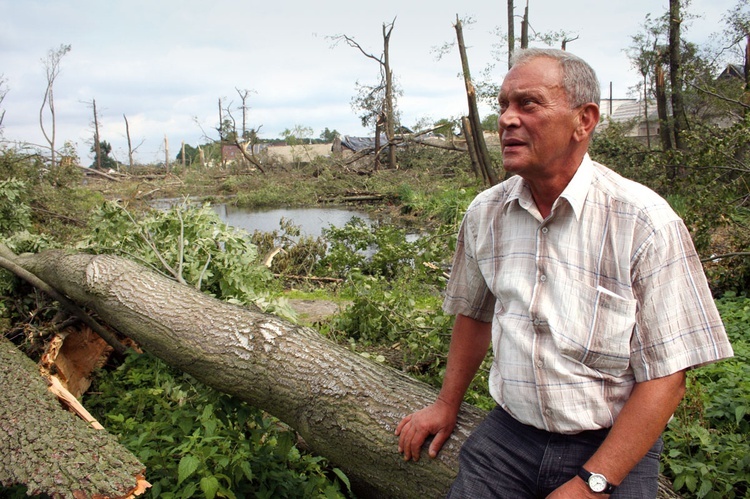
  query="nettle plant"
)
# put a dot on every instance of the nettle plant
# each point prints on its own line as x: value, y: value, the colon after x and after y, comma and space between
x: 707, y: 449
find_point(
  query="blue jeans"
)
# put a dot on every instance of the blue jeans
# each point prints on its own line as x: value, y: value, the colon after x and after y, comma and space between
x: 503, y: 458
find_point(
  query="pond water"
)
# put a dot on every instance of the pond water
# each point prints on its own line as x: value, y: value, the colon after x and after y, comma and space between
x: 311, y: 221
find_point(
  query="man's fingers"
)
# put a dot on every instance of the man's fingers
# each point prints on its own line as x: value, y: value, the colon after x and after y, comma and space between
x: 417, y: 439
x: 437, y: 443
x: 402, y: 423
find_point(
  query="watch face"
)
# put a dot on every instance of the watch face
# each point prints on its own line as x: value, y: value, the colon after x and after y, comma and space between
x: 597, y: 482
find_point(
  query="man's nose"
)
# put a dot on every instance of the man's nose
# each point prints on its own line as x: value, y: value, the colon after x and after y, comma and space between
x: 507, y: 118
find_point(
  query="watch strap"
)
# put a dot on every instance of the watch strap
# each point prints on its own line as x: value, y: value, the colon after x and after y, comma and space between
x: 586, y: 474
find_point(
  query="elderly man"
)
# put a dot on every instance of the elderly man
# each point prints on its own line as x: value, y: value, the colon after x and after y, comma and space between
x: 590, y: 291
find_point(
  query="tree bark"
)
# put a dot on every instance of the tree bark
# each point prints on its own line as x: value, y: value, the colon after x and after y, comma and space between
x: 675, y: 75
x: 345, y: 407
x: 511, y: 33
x: 665, y: 124
x: 50, y: 450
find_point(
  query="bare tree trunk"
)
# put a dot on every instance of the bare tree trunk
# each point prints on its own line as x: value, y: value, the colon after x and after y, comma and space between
x: 645, y: 111
x: 50, y: 450
x: 221, y: 126
x: 243, y: 96
x: 483, y: 155
x: 525, y: 27
x: 679, y: 126
x: 166, y: 153
x: 52, y: 68
x: 130, y: 145
x: 665, y: 125
x: 346, y: 407
x: 511, y: 32
x: 378, y: 131
x: 478, y: 171
x: 97, y: 143
x: 390, y: 118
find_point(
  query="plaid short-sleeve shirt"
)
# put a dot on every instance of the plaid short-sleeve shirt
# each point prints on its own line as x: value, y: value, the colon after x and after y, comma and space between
x: 605, y: 292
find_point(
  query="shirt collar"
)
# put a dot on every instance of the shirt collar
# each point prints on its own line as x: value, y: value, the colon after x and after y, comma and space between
x: 578, y: 187
x: 574, y: 193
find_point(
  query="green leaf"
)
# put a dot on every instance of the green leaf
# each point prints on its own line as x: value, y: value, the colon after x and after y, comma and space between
x: 188, y: 465
x: 739, y: 413
x: 342, y: 476
x: 209, y: 486
x: 247, y: 470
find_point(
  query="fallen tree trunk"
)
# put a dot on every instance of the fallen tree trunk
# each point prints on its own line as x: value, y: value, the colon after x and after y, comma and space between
x: 50, y: 450
x: 345, y: 407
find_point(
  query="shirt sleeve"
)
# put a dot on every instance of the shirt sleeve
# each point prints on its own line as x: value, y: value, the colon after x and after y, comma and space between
x: 467, y: 292
x: 677, y: 323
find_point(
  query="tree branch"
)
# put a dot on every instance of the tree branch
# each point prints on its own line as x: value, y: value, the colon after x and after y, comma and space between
x: 6, y: 262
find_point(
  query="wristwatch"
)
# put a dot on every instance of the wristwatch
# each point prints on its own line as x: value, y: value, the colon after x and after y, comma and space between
x: 597, y: 482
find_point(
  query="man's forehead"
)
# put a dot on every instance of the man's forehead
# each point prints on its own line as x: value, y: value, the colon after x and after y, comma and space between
x: 535, y: 76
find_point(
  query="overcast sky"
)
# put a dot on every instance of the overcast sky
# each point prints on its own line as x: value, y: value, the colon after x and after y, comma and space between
x: 165, y: 63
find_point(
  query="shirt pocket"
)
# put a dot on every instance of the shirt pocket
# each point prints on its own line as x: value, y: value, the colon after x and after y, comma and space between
x: 595, y: 328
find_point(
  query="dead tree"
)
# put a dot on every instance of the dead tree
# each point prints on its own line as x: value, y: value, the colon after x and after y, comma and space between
x: 97, y: 143
x: 52, y: 69
x: 679, y: 123
x: 480, y: 146
x: 385, y: 107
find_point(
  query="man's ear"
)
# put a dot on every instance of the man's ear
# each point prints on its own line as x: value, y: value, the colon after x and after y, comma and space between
x: 588, y: 118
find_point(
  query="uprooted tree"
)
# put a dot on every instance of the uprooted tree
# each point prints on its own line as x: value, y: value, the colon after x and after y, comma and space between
x: 344, y: 406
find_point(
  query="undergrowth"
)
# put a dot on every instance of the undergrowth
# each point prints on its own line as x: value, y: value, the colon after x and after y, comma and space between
x: 196, y: 441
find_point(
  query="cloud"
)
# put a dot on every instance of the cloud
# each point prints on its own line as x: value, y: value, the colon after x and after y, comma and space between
x: 164, y: 64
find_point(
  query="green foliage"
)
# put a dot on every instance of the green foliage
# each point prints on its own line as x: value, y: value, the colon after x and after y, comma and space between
x: 102, y: 159
x: 707, y: 449
x: 489, y: 123
x: 289, y: 252
x: 191, y: 243
x: 15, y: 214
x: 445, y: 207
x: 377, y: 250
x: 195, y: 441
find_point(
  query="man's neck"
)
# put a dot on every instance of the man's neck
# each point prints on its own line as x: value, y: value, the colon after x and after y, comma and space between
x: 546, y: 190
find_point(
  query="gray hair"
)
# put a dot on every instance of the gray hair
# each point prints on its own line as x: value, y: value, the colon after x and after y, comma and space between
x: 579, y: 79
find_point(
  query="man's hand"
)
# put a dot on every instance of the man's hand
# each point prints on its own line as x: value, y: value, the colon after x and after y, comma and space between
x: 438, y: 419
x: 575, y: 488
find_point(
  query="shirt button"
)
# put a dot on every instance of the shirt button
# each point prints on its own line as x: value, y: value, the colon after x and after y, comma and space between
x: 543, y: 278
x: 545, y: 230
x: 540, y: 363
x: 537, y: 321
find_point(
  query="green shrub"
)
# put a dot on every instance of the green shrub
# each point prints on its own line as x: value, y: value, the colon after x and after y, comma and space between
x: 191, y: 243
x: 707, y: 449
x: 196, y: 441
x: 15, y: 213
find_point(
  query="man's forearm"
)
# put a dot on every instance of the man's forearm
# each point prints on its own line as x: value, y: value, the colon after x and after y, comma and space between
x: 638, y: 426
x: 469, y: 343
